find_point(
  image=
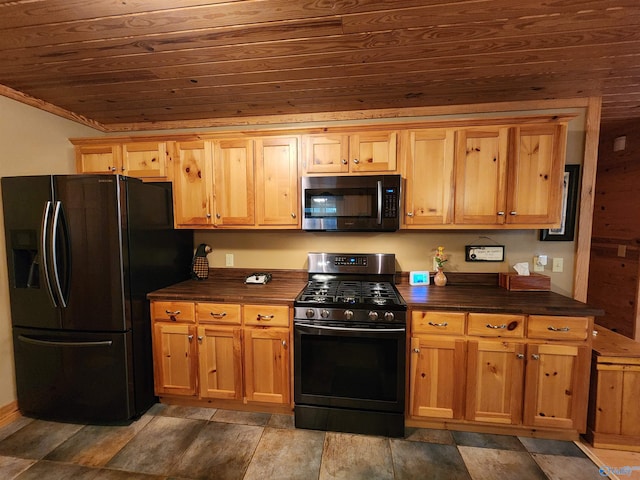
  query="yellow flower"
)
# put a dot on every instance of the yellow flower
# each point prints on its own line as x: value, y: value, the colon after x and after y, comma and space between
x: 441, y: 257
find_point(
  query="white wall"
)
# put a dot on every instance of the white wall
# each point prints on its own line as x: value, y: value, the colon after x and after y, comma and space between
x: 33, y: 142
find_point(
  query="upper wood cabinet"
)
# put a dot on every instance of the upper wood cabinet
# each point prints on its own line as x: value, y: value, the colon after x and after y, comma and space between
x: 277, y: 196
x: 366, y: 152
x: 535, y: 174
x: 480, y: 178
x: 146, y: 160
x: 224, y: 183
x: 98, y: 158
x: 428, y: 158
x: 193, y: 184
x: 233, y: 184
x: 510, y: 175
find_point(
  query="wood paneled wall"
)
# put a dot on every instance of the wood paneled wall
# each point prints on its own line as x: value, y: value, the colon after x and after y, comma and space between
x: 615, y: 248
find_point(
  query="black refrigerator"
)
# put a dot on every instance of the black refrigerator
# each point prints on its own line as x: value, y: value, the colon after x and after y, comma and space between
x: 82, y: 253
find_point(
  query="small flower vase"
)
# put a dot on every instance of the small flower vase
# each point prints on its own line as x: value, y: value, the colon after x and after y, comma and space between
x: 440, y: 279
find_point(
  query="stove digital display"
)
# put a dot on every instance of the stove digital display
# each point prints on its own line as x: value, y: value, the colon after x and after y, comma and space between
x: 351, y: 261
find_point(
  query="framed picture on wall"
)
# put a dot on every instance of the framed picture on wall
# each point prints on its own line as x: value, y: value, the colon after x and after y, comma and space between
x: 565, y: 232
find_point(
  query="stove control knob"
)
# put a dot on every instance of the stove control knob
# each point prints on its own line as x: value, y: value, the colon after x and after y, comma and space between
x: 389, y: 316
x: 310, y: 313
x: 348, y: 314
x: 373, y: 315
x: 324, y: 313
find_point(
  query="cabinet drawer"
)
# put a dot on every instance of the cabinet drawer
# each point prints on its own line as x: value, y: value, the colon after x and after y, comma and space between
x: 552, y: 327
x: 451, y: 323
x: 173, y: 311
x: 222, y: 313
x: 496, y: 325
x: 266, y: 315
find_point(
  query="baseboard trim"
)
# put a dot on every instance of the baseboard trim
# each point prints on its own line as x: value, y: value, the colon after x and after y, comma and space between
x: 8, y: 413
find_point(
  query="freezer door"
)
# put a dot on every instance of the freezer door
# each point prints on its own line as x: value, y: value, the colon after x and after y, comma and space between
x: 88, y: 248
x: 67, y: 376
x: 27, y: 206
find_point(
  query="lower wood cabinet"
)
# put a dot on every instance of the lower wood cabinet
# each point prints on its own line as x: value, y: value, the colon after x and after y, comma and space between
x: 435, y: 388
x: 223, y: 351
x: 266, y: 365
x: 220, y: 362
x: 174, y: 357
x: 496, y: 369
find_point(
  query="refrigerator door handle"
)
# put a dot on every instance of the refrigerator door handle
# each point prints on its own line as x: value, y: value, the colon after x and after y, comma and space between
x: 50, y: 343
x: 58, y: 222
x: 44, y: 247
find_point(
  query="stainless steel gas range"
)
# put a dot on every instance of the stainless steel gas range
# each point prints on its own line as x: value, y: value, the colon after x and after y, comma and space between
x: 350, y: 344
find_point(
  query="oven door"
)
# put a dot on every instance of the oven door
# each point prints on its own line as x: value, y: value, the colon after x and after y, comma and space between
x: 346, y: 367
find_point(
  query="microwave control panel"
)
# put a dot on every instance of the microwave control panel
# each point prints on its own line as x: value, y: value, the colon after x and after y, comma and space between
x: 390, y: 203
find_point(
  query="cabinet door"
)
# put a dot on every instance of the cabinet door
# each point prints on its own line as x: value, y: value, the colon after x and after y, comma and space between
x: 98, y: 159
x: 536, y: 171
x: 145, y: 159
x: 373, y: 152
x: 266, y: 363
x: 277, y: 199
x: 192, y: 183
x: 175, y: 360
x: 481, y: 156
x: 495, y: 381
x: 557, y: 387
x: 326, y: 153
x: 233, y: 190
x: 427, y: 159
x: 220, y: 362
x: 437, y: 370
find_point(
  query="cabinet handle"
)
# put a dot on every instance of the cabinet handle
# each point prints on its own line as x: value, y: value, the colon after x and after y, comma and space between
x: 416, y: 350
x: 113, y: 169
x: 443, y: 324
x: 513, y: 212
x: 344, y: 161
x: 556, y: 329
x: 264, y: 317
x: 356, y: 161
x: 501, y: 327
x: 217, y: 215
x: 409, y: 214
x: 284, y: 343
x: 123, y: 169
x: 501, y: 213
x: 169, y: 312
x: 520, y: 356
x: 200, y: 337
x: 535, y: 356
x: 208, y: 215
x: 190, y: 337
x: 218, y: 315
x: 293, y: 215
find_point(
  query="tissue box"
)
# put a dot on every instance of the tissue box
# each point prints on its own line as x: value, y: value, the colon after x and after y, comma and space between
x: 534, y: 282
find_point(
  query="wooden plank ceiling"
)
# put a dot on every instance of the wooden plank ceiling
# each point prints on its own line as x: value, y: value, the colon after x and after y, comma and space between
x: 157, y: 63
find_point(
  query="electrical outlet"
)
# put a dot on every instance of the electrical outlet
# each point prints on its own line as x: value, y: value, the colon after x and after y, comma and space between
x: 537, y: 267
x: 558, y: 264
x: 229, y: 259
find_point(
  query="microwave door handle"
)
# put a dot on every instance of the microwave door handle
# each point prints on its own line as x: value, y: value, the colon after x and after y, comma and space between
x: 380, y: 202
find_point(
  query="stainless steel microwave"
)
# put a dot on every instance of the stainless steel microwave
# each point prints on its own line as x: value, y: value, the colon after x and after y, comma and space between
x: 368, y: 203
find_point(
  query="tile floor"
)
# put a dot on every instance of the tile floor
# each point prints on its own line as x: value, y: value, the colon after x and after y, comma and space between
x: 171, y: 442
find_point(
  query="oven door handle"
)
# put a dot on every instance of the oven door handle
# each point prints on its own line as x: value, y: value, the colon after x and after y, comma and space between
x: 350, y: 329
